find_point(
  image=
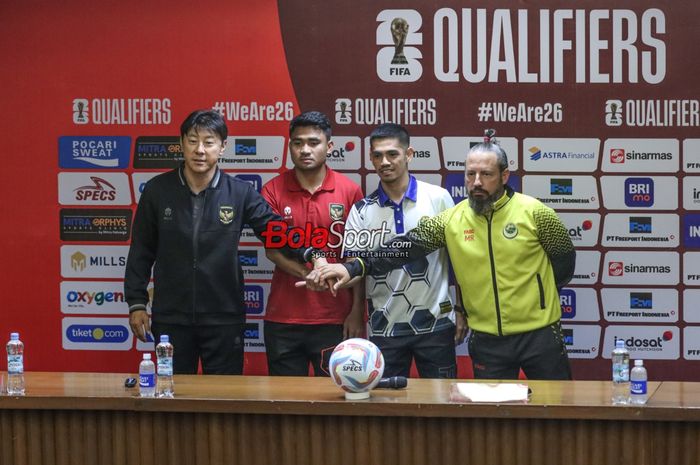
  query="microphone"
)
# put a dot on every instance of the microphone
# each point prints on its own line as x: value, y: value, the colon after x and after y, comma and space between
x: 395, y: 382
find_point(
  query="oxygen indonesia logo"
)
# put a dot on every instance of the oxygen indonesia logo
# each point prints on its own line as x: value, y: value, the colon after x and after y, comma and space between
x: 398, y: 31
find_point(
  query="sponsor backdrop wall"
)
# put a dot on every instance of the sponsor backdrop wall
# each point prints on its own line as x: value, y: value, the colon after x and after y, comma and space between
x: 596, y: 105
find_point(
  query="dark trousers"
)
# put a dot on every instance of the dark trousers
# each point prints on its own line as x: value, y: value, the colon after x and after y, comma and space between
x: 434, y: 354
x: 219, y: 347
x: 540, y: 353
x: 291, y: 347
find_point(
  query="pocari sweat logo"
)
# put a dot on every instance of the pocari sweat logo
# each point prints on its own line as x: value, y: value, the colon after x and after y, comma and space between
x: 397, y: 33
x: 94, y: 151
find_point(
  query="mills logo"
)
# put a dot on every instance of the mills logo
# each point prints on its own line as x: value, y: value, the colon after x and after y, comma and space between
x: 397, y: 59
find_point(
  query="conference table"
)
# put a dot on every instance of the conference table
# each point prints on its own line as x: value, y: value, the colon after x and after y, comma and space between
x: 91, y: 418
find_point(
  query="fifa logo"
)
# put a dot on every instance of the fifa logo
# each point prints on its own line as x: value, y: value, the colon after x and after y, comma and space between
x: 613, y: 112
x: 343, y: 111
x: 398, y: 31
x: 80, y: 111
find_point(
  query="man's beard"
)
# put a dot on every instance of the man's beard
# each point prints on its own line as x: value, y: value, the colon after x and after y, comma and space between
x: 484, y: 205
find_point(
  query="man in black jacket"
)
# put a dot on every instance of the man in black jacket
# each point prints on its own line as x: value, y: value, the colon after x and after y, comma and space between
x: 187, y: 229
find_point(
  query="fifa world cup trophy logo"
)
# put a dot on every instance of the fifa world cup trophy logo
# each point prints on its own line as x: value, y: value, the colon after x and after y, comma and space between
x: 399, y: 31
x: 343, y: 109
x: 613, y: 113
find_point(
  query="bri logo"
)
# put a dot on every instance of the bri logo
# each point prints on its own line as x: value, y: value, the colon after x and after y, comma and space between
x: 254, y: 299
x: 639, y: 192
x: 567, y: 298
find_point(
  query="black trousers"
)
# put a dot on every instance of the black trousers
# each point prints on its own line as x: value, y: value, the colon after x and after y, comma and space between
x: 434, y: 354
x: 220, y: 347
x: 291, y: 347
x: 540, y: 353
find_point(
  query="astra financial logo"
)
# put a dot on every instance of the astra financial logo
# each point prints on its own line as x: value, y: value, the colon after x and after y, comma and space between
x: 561, y: 186
x: 536, y: 153
x: 639, y: 192
x: 245, y: 147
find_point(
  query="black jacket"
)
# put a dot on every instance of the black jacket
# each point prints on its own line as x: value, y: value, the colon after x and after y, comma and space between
x: 198, y: 281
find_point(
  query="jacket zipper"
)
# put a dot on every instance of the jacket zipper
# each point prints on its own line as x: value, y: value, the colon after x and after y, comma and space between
x: 493, y: 277
x: 541, y: 288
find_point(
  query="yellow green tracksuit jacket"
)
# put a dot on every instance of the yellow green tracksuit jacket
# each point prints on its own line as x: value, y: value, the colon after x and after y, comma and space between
x: 509, y: 264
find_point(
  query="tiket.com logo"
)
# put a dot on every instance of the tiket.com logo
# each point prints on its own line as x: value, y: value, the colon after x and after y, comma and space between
x: 616, y: 269
x: 81, y: 113
x: 343, y: 111
x: 640, y: 225
x: 398, y: 60
x: 245, y: 147
x: 97, y: 334
x: 536, y: 153
x: 100, y: 190
x: 639, y: 192
x: 78, y: 261
x: 613, y: 112
x: 617, y: 156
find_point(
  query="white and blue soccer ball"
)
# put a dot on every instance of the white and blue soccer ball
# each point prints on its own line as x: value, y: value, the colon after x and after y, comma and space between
x: 356, y: 366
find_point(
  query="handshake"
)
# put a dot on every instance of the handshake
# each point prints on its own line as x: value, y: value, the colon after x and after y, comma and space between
x: 326, y: 276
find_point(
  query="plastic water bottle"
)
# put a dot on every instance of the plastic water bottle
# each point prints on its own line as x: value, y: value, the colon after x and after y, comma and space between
x: 164, y: 352
x: 620, y: 373
x: 15, y: 366
x: 147, y: 377
x: 638, y: 385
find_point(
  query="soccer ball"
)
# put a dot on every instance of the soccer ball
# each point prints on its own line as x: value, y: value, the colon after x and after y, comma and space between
x: 356, y: 365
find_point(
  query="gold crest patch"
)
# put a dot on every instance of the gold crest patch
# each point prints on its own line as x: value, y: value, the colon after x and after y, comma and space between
x: 226, y: 214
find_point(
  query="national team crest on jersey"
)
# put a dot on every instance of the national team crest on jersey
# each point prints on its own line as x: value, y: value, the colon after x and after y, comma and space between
x: 225, y: 214
x: 337, y: 210
x: 510, y: 231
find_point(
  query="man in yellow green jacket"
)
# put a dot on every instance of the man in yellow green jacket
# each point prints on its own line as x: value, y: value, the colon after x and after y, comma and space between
x: 511, y: 254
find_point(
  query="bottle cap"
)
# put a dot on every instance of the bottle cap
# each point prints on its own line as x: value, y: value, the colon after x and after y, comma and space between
x: 164, y: 338
x: 146, y: 356
x: 639, y: 363
x: 620, y: 344
x: 14, y: 336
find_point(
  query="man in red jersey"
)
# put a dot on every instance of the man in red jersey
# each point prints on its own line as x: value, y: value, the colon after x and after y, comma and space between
x: 302, y: 326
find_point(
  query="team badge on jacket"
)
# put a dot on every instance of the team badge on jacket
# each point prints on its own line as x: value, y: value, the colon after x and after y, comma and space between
x: 336, y: 210
x: 225, y: 214
x: 510, y: 231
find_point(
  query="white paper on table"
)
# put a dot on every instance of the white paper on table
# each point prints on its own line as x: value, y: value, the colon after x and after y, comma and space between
x: 489, y: 392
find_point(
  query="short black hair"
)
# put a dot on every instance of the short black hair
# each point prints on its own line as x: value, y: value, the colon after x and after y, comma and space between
x: 209, y: 120
x: 311, y: 118
x: 490, y: 144
x: 390, y: 131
